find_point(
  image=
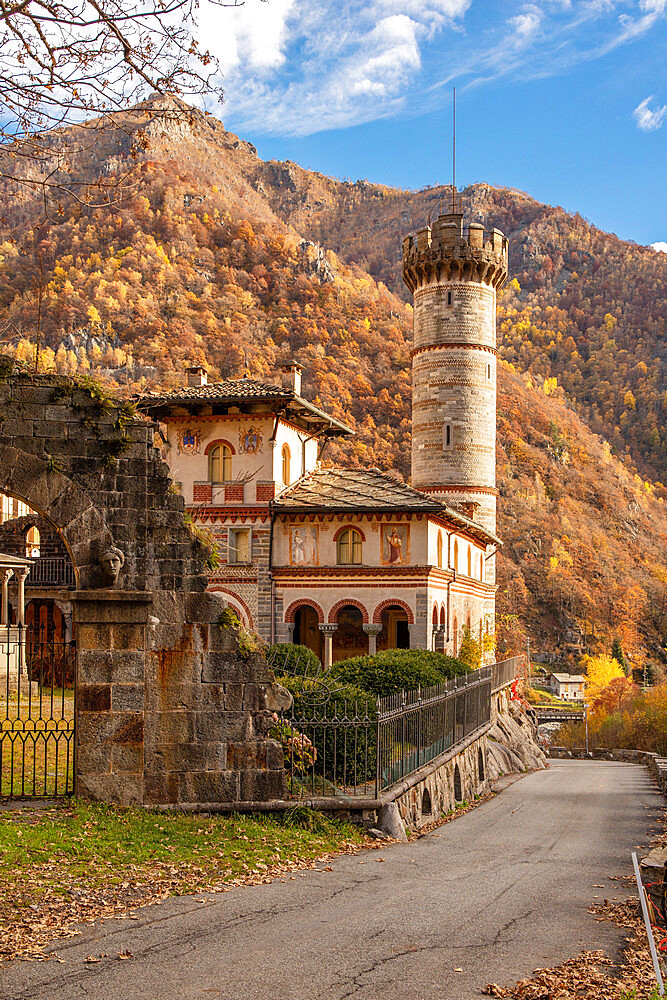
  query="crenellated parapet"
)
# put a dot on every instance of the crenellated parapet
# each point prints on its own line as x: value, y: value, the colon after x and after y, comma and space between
x: 446, y: 251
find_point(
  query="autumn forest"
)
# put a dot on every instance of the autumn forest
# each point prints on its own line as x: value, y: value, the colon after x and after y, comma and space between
x: 210, y: 254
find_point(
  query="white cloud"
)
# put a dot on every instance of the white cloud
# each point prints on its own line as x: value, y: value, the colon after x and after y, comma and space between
x: 648, y: 119
x: 252, y: 35
x: 660, y: 246
x: 525, y: 25
x: 294, y: 67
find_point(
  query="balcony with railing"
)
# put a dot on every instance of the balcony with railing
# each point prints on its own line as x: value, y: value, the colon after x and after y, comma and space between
x: 51, y: 571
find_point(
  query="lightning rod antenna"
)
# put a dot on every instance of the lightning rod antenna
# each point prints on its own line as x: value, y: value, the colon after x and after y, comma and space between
x: 454, y: 151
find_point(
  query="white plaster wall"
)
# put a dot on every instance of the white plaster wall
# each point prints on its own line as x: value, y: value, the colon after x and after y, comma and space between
x: 187, y: 469
x: 289, y: 435
x: 371, y: 530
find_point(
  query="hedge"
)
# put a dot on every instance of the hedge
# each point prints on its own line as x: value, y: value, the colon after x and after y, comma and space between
x: 396, y: 670
x: 293, y: 660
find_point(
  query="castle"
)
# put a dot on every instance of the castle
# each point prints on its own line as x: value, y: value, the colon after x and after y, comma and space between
x: 350, y: 561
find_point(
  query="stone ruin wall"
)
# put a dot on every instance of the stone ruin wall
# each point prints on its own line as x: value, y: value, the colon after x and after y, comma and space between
x: 168, y: 710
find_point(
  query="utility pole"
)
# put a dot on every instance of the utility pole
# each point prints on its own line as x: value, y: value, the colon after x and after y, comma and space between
x: 586, y: 717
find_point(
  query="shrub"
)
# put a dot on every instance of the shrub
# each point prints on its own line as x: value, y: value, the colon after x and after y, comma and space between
x: 396, y: 670
x: 292, y: 659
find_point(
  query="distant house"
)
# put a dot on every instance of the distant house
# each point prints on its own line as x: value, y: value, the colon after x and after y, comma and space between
x: 569, y: 687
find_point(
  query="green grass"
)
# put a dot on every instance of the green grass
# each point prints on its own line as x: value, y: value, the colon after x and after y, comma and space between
x: 81, y: 861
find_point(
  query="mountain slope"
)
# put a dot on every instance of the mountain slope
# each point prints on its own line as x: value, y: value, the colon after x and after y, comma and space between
x: 210, y: 256
x: 584, y: 306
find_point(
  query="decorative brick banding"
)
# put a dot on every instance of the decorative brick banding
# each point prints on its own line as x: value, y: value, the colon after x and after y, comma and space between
x: 303, y: 603
x: 347, y: 602
x: 393, y: 603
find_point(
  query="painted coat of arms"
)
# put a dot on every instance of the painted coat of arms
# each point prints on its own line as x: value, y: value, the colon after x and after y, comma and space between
x: 250, y: 441
x: 189, y: 441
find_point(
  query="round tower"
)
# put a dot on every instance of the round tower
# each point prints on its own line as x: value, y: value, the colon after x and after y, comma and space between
x: 453, y: 274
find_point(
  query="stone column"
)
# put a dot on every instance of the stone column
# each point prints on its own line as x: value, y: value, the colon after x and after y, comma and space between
x: 5, y: 575
x: 110, y: 693
x: 413, y: 631
x: 372, y: 631
x: 434, y: 637
x: 21, y: 576
x: 328, y: 631
x: 289, y: 628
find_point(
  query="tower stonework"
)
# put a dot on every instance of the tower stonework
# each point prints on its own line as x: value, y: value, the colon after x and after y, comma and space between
x: 453, y: 274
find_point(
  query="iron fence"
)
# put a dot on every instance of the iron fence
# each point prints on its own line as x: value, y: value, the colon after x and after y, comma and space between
x: 37, y: 677
x: 338, y: 746
x: 505, y: 671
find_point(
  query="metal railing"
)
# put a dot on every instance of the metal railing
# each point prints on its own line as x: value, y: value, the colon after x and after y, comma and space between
x: 505, y: 671
x: 334, y: 745
x: 37, y: 677
x: 51, y: 571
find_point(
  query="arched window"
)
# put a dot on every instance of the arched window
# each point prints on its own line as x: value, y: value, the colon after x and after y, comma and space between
x: 349, y: 547
x: 435, y: 615
x: 286, y: 464
x: 469, y: 561
x: 220, y: 464
x: 456, y: 555
x: 32, y: 543
x: 439, y: 550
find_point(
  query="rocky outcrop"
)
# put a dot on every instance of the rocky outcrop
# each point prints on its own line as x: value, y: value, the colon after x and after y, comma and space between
x: 512, y: 742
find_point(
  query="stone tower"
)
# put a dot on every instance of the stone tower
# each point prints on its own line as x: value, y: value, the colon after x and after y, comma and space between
x: 453, y: 274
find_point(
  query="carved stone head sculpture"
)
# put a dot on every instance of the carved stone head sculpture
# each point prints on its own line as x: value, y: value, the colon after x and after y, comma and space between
x: 112, y: 562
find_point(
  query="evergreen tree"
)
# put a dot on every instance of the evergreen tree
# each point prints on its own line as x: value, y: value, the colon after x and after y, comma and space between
x: 618, y: 655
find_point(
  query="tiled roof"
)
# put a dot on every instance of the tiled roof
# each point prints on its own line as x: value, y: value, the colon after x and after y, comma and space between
x: 366, y: 490
x: 230, y: 389
x: 354, y: 489
x: 239, y: 390
x: 567, y: 678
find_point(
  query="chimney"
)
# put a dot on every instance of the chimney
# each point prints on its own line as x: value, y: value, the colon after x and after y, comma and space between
x: 196, y: 376
x: 292, y: 377
x: 469, y: 508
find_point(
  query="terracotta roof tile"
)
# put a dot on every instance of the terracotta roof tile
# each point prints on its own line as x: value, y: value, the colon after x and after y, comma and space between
x: 238, y: 390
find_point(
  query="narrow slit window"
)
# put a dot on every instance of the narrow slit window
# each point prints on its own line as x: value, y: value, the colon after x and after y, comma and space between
x: 488, y: 372
x: 239, y: 545
x: 447, y: 436
x: 449, y: 298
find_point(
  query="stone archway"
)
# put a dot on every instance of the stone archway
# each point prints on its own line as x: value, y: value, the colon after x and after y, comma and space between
x: 67, y: 506
x: 156, y: 722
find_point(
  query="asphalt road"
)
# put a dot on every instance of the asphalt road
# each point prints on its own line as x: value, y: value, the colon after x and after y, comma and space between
x: 491, y: 896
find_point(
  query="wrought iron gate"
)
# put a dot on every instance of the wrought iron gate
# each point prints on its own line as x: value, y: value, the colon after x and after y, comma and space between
x: 37, y: 679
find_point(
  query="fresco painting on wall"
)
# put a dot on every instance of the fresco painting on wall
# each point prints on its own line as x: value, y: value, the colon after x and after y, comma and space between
x: 189, y: 441
x: 250, y: 441
x: 395, y: 544
x: 304, y: 546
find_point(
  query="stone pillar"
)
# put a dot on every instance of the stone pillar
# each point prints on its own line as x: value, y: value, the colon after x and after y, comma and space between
x: 434, y: 637
x: 111, y: 665
x: 414, y: 638
x: 328, y: 631
x: 372, y: 631
x: 289, y: 628
x: 21, y: 575
x: 5, y: 575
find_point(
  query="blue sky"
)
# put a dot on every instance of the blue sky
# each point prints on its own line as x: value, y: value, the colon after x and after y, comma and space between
x: 564, y: 99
